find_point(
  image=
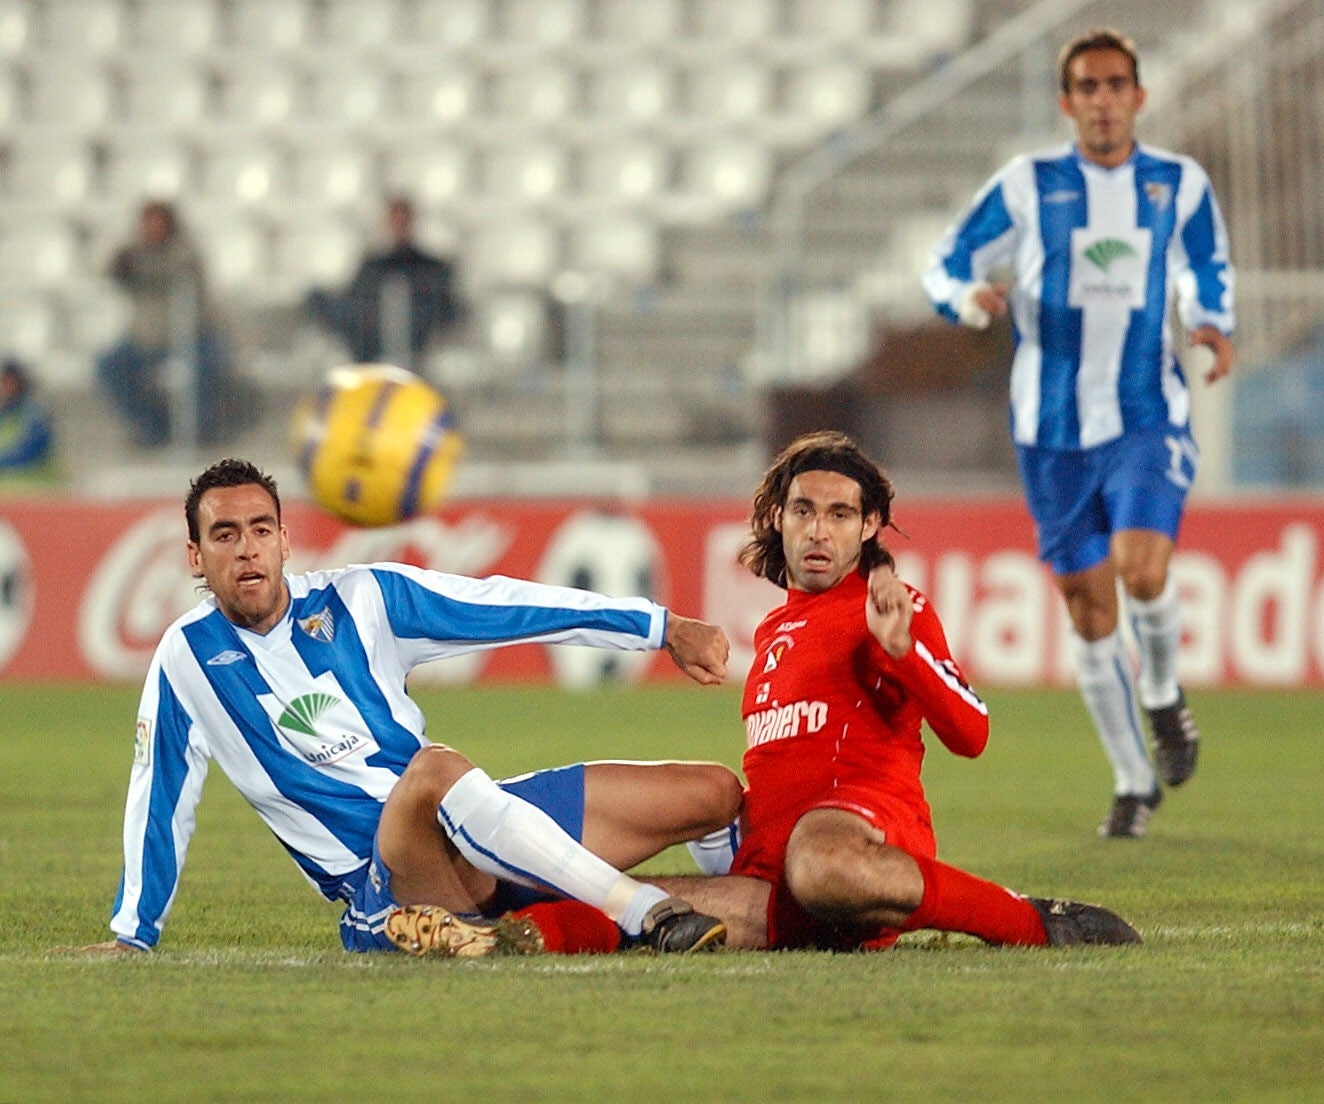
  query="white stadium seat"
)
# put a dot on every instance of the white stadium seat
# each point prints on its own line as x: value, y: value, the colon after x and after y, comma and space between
x: 433, y: 174
x: 839, y: 21
x: 544, y: 22
x: 620, y: 246
x: 363, y: 24
x: 175, y: 26
x: 237, y: 251
x: 86, y: 27
x: 629, y: 22
x: 446, y: 94
x: 16, y: 19
x: 633, y: 170
x: 734, y: 174
x: 453, y: 24
x: 44, y: 171
x: 28, y: 323
x: 828, y: 94
x: 518, y: 251
x: 512, y: 325
x: 314, y: 253
x: 148, y: 167
x: 334, y: 175
x: 343, y: 93
x: 246, y: 173
x: 638, y: 92
x: 529, y: 172
x: 67, y: 94
x: 733, y: 90
x: 264, y: 95
x: 736, y: 20
x: 174, y: 97
x: 269, y: 25
x: 38, y: 255
x: 539, y: 93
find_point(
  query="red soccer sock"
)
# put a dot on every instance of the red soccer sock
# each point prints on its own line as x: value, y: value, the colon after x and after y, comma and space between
x: 572, y: 927
x: 957, y: 901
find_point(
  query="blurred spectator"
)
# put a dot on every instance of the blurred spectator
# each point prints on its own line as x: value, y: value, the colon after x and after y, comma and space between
x: 27, y: 440
x: 171, y: 321
x: 400, y: 298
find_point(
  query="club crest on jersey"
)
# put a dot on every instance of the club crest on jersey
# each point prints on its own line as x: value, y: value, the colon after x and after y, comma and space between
x: 320, y: 626
x: 1159, y: 195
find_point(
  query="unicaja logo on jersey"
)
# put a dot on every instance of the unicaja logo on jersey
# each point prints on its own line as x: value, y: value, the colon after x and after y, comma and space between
x: 302, y: 713
x: 1102, y: 253
x: 299, y: 722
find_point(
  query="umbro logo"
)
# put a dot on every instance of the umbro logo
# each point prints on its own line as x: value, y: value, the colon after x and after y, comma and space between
x: 224, y: 659
x: 1063, y: 195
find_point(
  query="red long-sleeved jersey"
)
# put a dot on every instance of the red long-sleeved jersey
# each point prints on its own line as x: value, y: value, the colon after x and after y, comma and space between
x: 833, y: 720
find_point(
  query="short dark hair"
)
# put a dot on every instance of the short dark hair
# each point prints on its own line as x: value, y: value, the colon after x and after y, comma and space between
x: 823, y: 450
x: 230, y: 472
x: 1100, y: 38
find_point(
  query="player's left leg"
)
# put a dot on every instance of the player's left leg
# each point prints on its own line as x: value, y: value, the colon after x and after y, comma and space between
x: 1146, y: 494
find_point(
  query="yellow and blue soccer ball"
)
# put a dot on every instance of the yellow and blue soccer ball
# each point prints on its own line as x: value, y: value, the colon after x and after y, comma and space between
x: 377, y: 444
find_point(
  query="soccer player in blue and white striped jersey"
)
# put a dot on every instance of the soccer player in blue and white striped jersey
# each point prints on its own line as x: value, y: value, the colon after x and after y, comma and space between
x: 295, y: 685
x: 1102, y: 236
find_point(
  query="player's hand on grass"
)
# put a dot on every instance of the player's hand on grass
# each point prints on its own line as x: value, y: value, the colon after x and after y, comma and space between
x: 887, y: 611
x: 698, y: 648
x: 1217, y: 343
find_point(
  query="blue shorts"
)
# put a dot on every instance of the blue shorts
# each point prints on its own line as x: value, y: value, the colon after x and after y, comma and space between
x: 1080, y: 497
x: 558, y: 792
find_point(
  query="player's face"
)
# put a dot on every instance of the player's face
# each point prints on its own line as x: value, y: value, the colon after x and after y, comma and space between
x: 241, y: 551
x: 823, y: 529
x: 1102, y: 100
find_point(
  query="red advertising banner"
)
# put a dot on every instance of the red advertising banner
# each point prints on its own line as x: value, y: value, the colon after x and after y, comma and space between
x: 86, y: 589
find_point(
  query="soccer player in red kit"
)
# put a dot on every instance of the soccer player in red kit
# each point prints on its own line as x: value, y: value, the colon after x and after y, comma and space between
x: 835, y: 818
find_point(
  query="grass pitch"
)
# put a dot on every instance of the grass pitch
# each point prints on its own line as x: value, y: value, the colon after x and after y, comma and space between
x: 250, y: 999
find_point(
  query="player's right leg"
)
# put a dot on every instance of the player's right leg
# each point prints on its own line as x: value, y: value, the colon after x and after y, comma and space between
x: 634, y: 810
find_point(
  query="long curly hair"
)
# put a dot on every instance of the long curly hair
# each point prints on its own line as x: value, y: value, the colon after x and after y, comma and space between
x: 823, y: 450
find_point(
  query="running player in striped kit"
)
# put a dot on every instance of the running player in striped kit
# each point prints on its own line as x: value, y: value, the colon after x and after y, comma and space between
x: 1103, y: 235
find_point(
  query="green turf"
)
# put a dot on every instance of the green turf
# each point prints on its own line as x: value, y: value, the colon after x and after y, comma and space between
x: 249, y: 998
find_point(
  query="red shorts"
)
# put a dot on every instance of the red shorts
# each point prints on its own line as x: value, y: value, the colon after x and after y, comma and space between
x: 762, y: 855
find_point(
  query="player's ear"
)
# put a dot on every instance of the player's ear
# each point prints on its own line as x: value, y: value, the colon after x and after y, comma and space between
x: 284, y: 544
x: 777, y: 518
x: 194, y: 560
x: 872, y: 523
x: 1064, y: 104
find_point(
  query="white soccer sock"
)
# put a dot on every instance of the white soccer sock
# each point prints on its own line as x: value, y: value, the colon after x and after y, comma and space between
x: 1103, y: 672
x: 505, y: 836
x: 714, y: 853
x: 1157, y: 625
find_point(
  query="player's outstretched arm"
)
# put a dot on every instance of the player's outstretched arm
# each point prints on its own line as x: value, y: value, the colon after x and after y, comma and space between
x: 698, y: 648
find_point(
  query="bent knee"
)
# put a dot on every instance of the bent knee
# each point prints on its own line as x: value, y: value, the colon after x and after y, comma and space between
x: 435, y: 769
x: 725, y: 795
